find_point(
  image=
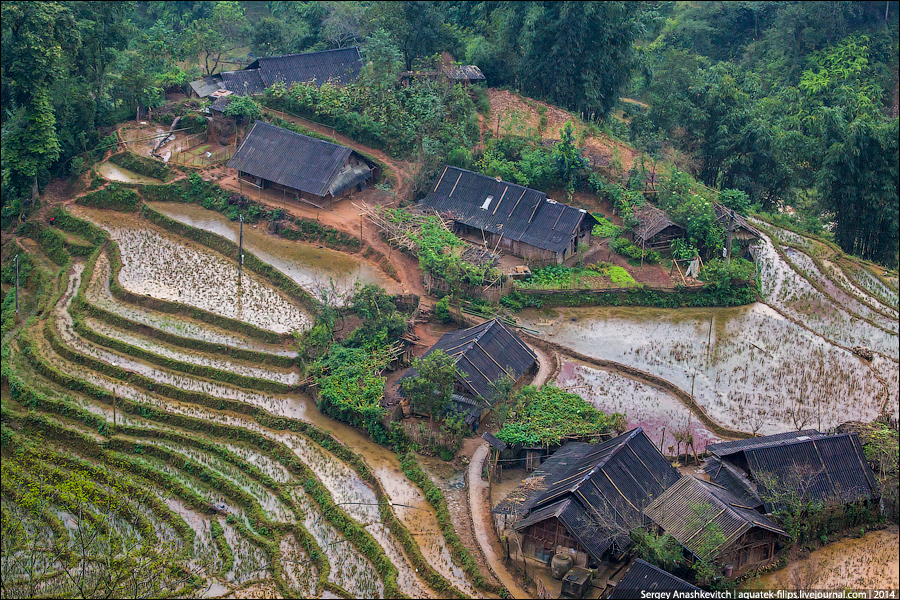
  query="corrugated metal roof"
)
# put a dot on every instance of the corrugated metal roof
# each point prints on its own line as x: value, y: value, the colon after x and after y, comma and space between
x: 734, y: 480
x: 723, y: 449
x: 515, y: 212
x: 340, y: 66
x: 521, y: 499
x: 484, y: 353
x: 290, y: 159
x: 651, y: 220
x: 696, y: 513
x: 642, y: 576
x: 243, y: 83
x: 207, y: 85
x: 828, y: 468
x: 592, y: 537
x: 464, y: 72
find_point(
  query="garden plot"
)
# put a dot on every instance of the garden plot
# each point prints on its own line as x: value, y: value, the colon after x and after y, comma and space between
x: 657, y: 411
x: 785, y: 290
x: 310, y: 266
x: 192, y: 357
x: 298, y: 570
x: 760, y: 372
x: 156, y: 264
x: 98, y: 294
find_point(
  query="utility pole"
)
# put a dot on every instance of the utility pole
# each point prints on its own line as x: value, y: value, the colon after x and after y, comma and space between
x: 241, y: 250
x: 17, y: 287
x: 709, y: 335
x: 728, y: 237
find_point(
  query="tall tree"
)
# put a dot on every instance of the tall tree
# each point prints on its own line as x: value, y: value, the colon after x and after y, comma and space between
x: 430, y: 389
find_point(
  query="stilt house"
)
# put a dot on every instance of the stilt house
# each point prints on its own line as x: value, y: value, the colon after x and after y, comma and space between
x: 304, y: 168
x: 515, y: 219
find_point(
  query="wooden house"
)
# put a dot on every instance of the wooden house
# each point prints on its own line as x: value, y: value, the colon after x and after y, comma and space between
x: 655, y: 230
x: 483, y: 354
x: 304, y: 168
x: 712, y: 525
x: 821, y: 468
x: 584, y: 500
x: 509, y: 217
x: 644, y: 577
x: 741, y: 228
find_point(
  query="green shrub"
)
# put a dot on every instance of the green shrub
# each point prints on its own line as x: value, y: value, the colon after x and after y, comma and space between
x: 113, y: 197
x: 442, y: 310
x: 141, y: 165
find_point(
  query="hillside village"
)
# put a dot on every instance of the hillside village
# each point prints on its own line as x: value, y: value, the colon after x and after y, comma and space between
x: 358, y: 322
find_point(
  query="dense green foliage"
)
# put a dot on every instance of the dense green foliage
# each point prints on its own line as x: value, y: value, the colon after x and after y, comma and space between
x: 114, y: 196
x: 550, y: 415
x: 789, y: 102
x: 429, y: 390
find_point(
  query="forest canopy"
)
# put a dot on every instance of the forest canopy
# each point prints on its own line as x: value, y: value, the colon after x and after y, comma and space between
x: 792, y: 103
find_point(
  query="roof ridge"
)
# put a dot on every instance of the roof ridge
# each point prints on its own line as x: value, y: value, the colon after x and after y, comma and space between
x: 308, y: 53
x: 602, y: 463
x: 494, y: 179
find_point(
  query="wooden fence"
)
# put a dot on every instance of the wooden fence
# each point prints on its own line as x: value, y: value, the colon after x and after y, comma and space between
x: 491, y: 293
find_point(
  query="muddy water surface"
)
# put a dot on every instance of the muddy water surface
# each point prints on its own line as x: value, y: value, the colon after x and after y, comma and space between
x: 311, y: 267
x: 750, y: 368
x: 116, y: 173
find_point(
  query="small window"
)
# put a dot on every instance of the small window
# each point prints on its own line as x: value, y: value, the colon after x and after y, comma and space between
x: 487, y: 202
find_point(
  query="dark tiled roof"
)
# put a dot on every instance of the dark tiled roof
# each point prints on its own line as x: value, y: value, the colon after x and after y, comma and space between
x: 643, y: 576
x: 828, y: 467
x: 469, y: 409
x: 520, y: 500
x: 518, y: 213
x: 244, y: 83
x: 340, y: 66
x: 742, y: 223
x: 734, y: 480
x: 695, y: 512
x: 493, y: 440
x: 651, y: 221
x: 464, y: 72
x: 484, y: 353
x: 611, y: 482
x: 725, y: 448
x: 293, y: 160
x: 207, y: 85
x: 221, y: 103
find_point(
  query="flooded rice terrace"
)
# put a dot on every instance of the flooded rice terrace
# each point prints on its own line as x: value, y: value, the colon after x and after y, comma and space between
x: 157, y: 264
x: 310, y: 266
x: 113, y: 172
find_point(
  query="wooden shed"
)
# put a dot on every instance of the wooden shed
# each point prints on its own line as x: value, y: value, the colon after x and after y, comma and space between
x: 655, y: 230
x: 305, y: 168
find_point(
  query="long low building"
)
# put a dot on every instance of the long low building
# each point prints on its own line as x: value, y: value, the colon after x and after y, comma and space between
x: 513, y: 218
x: 306, y: 168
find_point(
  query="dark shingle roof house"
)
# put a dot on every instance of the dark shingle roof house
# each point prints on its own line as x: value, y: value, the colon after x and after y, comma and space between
x: 598, y: 492
x: 644, y: 577
x: 823, y: 468
x: 298, y: 163
x: 519, y: 219
x: 339, y: 67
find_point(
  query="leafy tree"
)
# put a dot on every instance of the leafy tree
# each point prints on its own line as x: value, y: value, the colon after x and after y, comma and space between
x: 223, y: 31
x: 244, y: 107
x: 569, y: 161
x: 708, y: 540
x: 268, y: 36
x: 429, y: 391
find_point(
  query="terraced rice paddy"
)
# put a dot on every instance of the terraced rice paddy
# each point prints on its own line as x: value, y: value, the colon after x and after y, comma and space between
x: 312, y: 267
x: 765, y: 368
x: 246, y: 488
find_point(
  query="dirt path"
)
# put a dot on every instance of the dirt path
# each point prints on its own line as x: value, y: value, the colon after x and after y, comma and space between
x: 479, y: 503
